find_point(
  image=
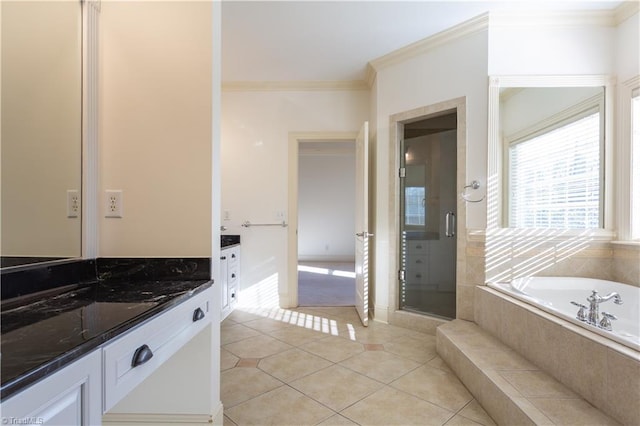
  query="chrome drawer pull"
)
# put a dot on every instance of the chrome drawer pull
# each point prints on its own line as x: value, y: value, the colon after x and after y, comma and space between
x: 141, y: 355
x: 198, y: 314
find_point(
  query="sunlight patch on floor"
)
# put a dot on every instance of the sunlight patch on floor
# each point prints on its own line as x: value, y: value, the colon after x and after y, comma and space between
x: 326, y: 271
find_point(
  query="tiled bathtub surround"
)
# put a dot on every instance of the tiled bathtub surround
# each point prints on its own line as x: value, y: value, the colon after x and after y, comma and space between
x: 501, y: 258
x: 515, y: 256
x: 626, y: 264
x: 603, y: 372
x: 474, y: 275
x: 510, y: 388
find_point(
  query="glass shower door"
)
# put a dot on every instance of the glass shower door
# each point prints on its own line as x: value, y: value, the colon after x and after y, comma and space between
x: 428, y: 200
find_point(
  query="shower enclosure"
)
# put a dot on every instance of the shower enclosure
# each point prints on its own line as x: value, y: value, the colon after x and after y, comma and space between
x: 428, y: 200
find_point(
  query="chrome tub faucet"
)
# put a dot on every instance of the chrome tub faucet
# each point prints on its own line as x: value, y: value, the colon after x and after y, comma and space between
x: 593, y: 315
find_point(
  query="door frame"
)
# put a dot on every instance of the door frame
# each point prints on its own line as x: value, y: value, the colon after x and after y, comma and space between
x: 396, y: 127
x: 289, y: 299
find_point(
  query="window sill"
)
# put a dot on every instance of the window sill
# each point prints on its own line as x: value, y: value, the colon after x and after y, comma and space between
x: 627, y: 244
x: 541, y: 234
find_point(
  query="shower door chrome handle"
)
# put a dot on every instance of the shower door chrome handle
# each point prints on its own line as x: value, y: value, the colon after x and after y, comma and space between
x: 450, y: 224
x: 364, y: 234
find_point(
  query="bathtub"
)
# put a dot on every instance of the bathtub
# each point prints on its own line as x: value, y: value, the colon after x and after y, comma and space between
x: 555, y: 294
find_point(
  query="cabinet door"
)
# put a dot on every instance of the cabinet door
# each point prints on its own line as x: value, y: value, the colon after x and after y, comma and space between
x: 224, y: 285
x: 71, y: 396
x: 131, y: 358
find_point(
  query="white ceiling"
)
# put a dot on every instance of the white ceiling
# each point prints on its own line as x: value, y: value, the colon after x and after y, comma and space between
x: 334, y: 40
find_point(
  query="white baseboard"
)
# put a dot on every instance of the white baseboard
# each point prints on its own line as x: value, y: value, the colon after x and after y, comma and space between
x: 218, y: 418
x: 381, y: 314
x: 141, y: 419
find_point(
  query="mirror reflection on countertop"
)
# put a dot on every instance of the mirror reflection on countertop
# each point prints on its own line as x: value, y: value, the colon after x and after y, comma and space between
x: 41, y: 132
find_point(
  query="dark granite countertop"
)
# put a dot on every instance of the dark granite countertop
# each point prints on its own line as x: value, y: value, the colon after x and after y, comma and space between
x: 227, y: 241
x: 45, y: 334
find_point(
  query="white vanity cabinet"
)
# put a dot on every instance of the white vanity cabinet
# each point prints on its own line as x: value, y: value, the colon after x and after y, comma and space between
x: 229, y: 272
x: 81, y: 392
x: 70, y: 396
x: 131, y: 358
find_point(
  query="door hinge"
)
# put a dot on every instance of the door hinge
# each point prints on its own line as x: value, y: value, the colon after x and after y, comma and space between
x: 402, y: 172
x: 402, y: 275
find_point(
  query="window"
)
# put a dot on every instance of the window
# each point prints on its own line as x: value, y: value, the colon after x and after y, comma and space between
x: 635, y: 168
x: 555, y: 175
x: 415, y: 211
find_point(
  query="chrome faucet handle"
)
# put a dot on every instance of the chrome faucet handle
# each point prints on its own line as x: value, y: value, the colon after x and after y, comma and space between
x: 582, y: 313
x: 605, y: 323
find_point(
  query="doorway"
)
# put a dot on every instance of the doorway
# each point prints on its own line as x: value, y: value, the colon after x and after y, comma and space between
x: 427, y: 216
x: 400, y: 312
x: 289, y: 297
x: 326, y: 206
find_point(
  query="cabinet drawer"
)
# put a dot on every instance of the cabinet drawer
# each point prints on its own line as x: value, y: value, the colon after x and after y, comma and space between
x: 232, y: 275
x: 233, y: 295
x: 417, y: 246
x: 233, y: 256
x: 152, y: 343
x: 417, y: 277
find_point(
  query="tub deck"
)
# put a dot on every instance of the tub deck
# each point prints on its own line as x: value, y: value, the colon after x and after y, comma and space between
x: 510, y: 388
x: 603, y: 372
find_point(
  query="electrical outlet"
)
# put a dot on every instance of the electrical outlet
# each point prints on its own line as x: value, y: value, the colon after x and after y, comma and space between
x: 73, y: 203
x: 226, y: 215
x: 113, y: 203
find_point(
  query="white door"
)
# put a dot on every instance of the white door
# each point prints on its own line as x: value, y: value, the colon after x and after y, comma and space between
x: 362, y: 224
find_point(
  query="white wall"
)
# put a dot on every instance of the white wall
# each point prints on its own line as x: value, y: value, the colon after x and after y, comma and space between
x: 628, y: 48
x: 155, y: 127
x: 326, y: 207
x: 457, y: 69
x: 550, y: 50
x: 255, y: 129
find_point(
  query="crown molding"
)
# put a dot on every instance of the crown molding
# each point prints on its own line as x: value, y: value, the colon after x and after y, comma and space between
x: 472, y: 26
x: 277, y: 86
x: 626, y: 10
x: 566, y: 19
x: 370, y: 75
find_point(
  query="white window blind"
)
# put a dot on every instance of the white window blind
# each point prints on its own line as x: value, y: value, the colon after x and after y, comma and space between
x: 635, y: 170
x: 554, y: 177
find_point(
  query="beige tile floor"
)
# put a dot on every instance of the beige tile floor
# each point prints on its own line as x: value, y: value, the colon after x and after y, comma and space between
x: 319, y: 366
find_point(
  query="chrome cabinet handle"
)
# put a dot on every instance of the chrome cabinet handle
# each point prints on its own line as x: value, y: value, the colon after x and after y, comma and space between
x: 450, y: 224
